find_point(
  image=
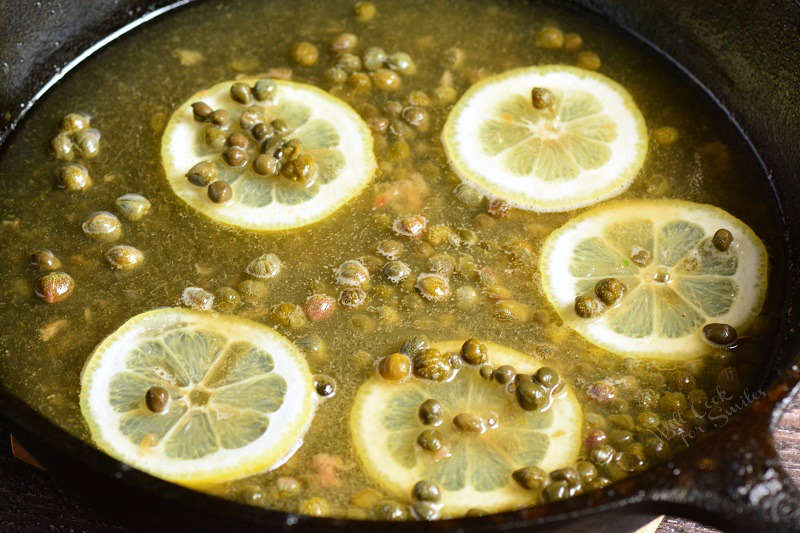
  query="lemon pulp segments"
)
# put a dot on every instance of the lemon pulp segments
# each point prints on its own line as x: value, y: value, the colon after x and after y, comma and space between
x: 588, y: 148
x: 241, y: 396
x: 384, y: 424
x: 685, y: 284
x: 329, y: 130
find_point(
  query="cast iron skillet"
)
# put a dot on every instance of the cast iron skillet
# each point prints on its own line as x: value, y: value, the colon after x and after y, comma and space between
x: 745, y: 54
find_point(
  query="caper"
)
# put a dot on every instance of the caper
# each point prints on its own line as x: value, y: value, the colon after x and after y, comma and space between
x: 589, y: 60
x: 202, y: 174
x: 431, y: 412
x: 418, y: 117
x: 414, y: 345
x: 305, y: 54
x: 197, y: 298
x: 556, y: 491
x: 349, y: 62
x: 547, y: 376
x: 469, y: 423
x: 648, y: 420
x: 74, y: 122
x: 656, y: 447
x: 320, y: 307
x: 386, y: 80
x: 430, y: 440
x: 220, y: 192
x: 411, y: 226
x: 466, y: 297
x: 227, y: 299
x: 426, y: 491
x: 214, y: 137
x: 240, y: 92
x: 360, y: 82
x: 87, y: 143
x: 486, y: 371
x: 586, y: 470
x: 570, y: 475
x: 390, y: 249
x: 374, y: 58
x: 352, y: 273
x: 344, y: 42
x: 103, y: 226
x: 550, y: 37
x: 396, y: 271
x: 352, y: 297
x: 511, y: 310
x: 315, y: 506
x: 530, y: 477
x: 433, y: 287
x: 602, y: 454
x: 335, y: 75
x: 281, y: 127
x: 237, y: 140
x: 253, y: 291
x: 425, y: 510
x: 474, y: 352
x: 394, y: 367
x: 672, y: 402
x: 621, y: 420
x: 123, y: 257
x: 542, y: 98
x: 391, y: 511
x: 234, y: 156
x: 324, y: 385
x: 265, y: 165
x: 609, y: 291
x: 54, y: 287
x: 646, y: 399
x: 402, y: 63
x: 45, y: 260
x: 629, y: 462
x: 157, y: 399
x: 133, y: 206
x: 264, y: 89
x: 722, y: 239
x: 201, y: 111
x: 587, y: 306
x: 572, y: 41
x: 504, y: 374
x: 431, y: 364
x: 620, y: 438
x: 63, y: 147
x: 264, y: 266
x: 720, y: 334
x: 444, y: 95
x: 74, y: 177
x: 364, y: 11
x: 220, y: 117
x: 289, y: 315
x: 532, y: 396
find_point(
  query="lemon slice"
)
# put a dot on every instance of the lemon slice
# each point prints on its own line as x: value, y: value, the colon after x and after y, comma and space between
x: 240, y: 396
x: 587, y: 147
x: 330, y: 131
x: 385, y: 424
x: 676, y: 280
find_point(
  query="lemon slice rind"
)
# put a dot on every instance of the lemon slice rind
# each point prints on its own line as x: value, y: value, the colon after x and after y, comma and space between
x: 180, y: 151
x: 561, y: 288
x: 370, y: 445
x: 460, y: 137
x: 283, y: 435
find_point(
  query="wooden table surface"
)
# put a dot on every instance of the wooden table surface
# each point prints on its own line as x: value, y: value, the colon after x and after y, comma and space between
x: 30, y: 502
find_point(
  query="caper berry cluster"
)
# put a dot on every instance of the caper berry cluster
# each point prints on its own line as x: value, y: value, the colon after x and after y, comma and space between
x: 607, y: 293
x: 265, y: 144
x: 75, y: 139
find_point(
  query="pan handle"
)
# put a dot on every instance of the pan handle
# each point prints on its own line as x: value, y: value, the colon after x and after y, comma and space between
x: 733, y: 479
